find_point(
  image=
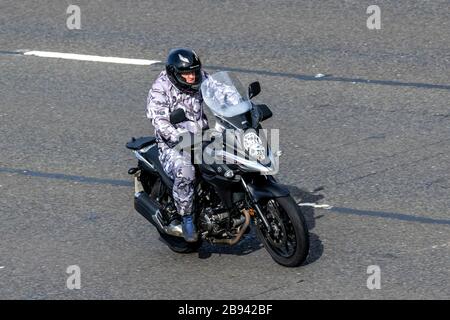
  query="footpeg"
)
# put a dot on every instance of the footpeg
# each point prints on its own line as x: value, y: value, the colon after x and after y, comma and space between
x: 132, y: 171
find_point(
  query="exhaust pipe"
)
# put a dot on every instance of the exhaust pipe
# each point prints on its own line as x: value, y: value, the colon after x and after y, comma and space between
x: 240, y: 233
x: 147, y: 207
x: 151, y: 210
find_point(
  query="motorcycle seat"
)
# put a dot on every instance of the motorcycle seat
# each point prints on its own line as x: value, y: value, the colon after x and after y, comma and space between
x: 139, y: 143
x: 152, y: 156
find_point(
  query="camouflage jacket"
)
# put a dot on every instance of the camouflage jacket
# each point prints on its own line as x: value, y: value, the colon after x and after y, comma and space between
x: 164, y: 98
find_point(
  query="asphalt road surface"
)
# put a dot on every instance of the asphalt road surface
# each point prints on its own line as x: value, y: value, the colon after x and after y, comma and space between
x: 375, y: 132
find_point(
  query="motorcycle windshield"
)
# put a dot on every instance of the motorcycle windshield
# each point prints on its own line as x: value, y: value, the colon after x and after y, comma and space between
x: 224, y: 95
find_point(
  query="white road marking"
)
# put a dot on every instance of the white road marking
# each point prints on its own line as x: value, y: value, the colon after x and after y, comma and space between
x: 315, y: 205
x: 1, y: 267
x: 83, y: 57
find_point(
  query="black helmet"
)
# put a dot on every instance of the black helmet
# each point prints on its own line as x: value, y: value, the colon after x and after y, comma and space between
x: 183, y: 60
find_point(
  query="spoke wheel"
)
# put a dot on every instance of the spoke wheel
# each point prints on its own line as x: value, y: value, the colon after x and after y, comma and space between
x: 281, y: 237
x: 287, y: 240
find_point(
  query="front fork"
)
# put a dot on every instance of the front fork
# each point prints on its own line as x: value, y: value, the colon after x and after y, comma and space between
x: 256, y: 205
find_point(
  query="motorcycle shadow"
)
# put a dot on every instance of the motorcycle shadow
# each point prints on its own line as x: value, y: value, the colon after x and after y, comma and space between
x: 250, y: 243
x: 247, y: 245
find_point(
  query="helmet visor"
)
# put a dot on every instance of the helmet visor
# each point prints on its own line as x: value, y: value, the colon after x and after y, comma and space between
x: 190, y: 77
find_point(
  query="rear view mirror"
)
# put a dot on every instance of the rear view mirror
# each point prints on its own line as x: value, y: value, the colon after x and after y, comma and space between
x: 177, y: 116
x: 254, y: 89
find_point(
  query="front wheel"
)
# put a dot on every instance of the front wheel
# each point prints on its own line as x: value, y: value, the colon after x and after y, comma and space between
x: 287, y: 241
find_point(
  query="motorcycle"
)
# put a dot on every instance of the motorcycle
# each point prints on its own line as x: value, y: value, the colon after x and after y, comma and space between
x: 234, y: 188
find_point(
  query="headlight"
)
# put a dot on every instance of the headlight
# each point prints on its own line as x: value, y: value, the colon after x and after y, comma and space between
x: 254, y: 146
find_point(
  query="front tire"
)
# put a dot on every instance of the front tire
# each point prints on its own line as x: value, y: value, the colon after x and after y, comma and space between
x: 288, y: 240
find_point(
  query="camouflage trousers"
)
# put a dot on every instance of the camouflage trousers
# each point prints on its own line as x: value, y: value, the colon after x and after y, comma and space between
x: 179, y: 168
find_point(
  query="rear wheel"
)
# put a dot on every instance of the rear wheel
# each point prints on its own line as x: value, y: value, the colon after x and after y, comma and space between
x: 288, y: 239
x: 160, y: 193
x: 179, y: 245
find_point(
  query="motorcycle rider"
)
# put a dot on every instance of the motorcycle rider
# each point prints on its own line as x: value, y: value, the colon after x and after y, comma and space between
x: 178, y: 87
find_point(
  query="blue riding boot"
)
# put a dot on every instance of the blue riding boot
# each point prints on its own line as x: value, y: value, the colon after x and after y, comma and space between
x: 189, y: 230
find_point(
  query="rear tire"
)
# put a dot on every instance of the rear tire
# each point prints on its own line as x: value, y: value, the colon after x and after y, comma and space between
x: 290, y: 246
x: 179, y: 245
